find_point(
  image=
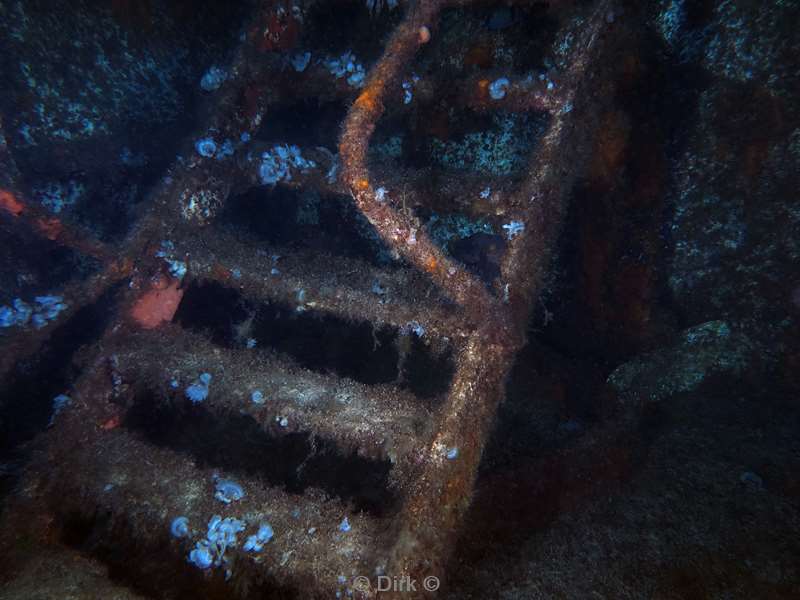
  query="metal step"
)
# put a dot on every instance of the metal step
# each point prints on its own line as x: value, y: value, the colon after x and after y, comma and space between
x: 140, y: 490
x: 380, y: 422
x: 342, y: 286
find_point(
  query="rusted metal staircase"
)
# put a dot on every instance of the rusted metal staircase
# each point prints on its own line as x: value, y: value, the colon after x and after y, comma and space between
x: 132, y: 453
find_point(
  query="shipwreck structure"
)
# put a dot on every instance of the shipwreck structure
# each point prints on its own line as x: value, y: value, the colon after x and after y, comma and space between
x: 178, y: 458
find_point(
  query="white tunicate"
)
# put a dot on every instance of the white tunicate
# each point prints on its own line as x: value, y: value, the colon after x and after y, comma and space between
x: 513, y: 229
x: 228, y: 491
x: 300, y: 61
x: 180, y: 527
x: 198, y: 391
x: 213, y: 78
x: 276, y: 164
x: 220, y: 536
x: 60, y: 402
x: 255, y: 543
x: 205, y: 147
x: 347, y: 66
x: 201, y: 556
x: 407, y: 93
x: 497, y: 89
x: 414, y: 327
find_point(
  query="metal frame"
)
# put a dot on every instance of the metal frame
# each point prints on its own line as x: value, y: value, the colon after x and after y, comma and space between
x: 90, y: 465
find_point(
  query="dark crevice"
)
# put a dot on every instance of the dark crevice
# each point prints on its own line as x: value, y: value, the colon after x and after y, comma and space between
x: 35, y: 261
x: 326, y: 343
x: 213, y: 310
x: 306, y: 123
x: 237, y: 444
x: 330, y: 26
x: 320, y: 343
x: 425, y: 374
x: 294, y: 219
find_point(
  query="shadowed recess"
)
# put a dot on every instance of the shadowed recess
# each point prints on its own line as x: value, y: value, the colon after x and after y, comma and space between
x: 237, y: 444
x: 289, y: 219
x: 358, y: 351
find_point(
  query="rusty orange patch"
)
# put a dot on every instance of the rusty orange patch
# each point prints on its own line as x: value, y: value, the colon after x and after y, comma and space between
x: 367, y: 100
x: 112, y: 423
x: 10, y: 203
x: 158, y: 305
x: 483, y: 90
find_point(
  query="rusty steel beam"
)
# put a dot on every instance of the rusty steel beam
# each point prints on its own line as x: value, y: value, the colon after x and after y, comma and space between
x: 376, y: 421
x: 398, y: 229
x: 341, y: 286
x: 539, y: 202
x: 441, y: 495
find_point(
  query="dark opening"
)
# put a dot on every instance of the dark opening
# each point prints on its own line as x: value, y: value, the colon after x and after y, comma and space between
x: 333, y: 28
x: 77, y: 528
x: 213, y: 310
x: 237, y: 444
x: 306, y: 123
x: 321, y: 343
x: 425, y: 374
x: 295, y: 219
x: 326, y: 343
